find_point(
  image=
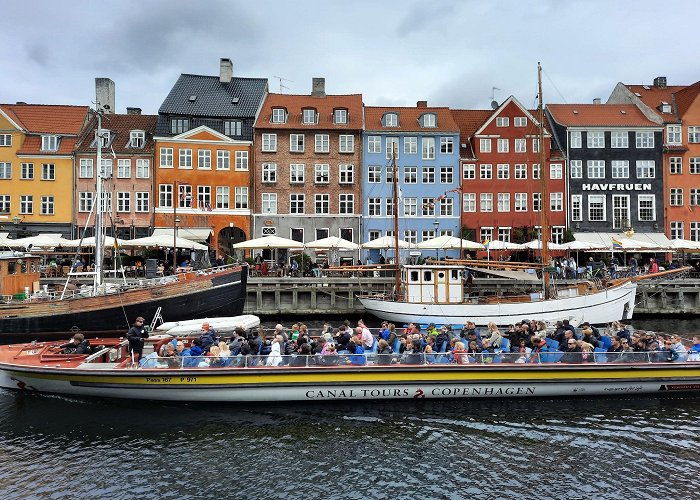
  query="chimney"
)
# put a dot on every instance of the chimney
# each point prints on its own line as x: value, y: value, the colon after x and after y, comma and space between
x: 318, y: 87
x: 104, y: 95
x: 133, y: 111
x: 422, y: 104
x: 660, y: 82
x: 225, y: 70
x: 596, y: 100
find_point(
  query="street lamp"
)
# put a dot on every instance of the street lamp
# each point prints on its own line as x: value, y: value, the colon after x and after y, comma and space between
x: 16, y: 220
x: 436, y: 225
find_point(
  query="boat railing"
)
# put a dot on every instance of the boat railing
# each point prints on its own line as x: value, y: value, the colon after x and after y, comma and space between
x: 345, y: 359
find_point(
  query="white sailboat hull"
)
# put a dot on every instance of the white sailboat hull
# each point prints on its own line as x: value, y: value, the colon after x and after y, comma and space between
x: 605, y: 306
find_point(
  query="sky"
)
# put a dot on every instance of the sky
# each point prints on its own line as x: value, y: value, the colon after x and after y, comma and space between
x: 448, y: 52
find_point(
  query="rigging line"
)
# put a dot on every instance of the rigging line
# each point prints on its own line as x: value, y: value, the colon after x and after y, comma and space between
x: 555, y: 87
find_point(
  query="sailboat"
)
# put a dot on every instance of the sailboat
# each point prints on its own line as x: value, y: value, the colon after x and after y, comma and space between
x: 438, y: 292
x: 28, y: 310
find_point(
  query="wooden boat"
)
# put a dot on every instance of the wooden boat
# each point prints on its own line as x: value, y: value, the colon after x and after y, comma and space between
x: 211, y: 292
x: 438, y: 294
x: 40, y: 368
x: 28, y: 310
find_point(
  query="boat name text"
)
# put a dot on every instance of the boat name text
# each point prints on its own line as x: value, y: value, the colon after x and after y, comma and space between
x: 616, y: 187
x: 408, y: 392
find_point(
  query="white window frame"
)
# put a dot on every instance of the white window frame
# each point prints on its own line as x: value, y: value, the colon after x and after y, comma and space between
x: 675, y: 165
x: 166, y: 157
x: 143, y: 168
x: 269, y: 143
x: 674, y: 134
x: 577, y: 208
x: 269, y: 203
x: 346, y: 173
x: 322, y: 143
x: 223, y: 159
x: 374, y: 174
x: 374, y: 144
x: 484, y: 145
x: 241, y: 197
x: 242, y: 164
x: 486, y: 202
x: 469, y: 202
x: 620, y: 169
x: 619, y: 139
x: 642, y: 199
x: 521, y: 145
x: 428, y: 148
x: 503, y: 145
x: 468, y: 171
x: 595, y: 169
x: 86, y: 168
x: 322, y: 203
x: 184, y: 159
x: 644, y: 139
x: 503, y: 203
x: 124, y: 168
x: 521, y: 200
x: 595, y: 139
x: 575, y: 139
x: 296, y: 173
x: 269, y: 173
x: 143, y: 201
x: 322, y: 173
x: 223, y: 197
x: 296, y: 143
x: 598, y: 199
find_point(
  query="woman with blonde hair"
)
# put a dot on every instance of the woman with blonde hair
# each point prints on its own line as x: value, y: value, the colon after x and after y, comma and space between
x: 494, y: 335
x: 460, y: 354
x: 586, y: 351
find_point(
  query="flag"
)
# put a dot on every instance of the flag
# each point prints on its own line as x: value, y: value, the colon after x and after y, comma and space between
x: 486, y: 243
x: 209, y: 209
x: 617, y: 245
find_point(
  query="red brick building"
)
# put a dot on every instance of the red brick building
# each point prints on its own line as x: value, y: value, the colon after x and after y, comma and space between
x: 500, y: 163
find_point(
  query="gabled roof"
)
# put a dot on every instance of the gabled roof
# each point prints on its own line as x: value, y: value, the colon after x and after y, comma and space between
x: 511, y: 100
x: 654, y: 96
x: 599, y: 115
x: 240, y: 98
x: 408, y: 119
x: 32, y: 146
x: 120, y: 126
x: 685, y: 98
x: 469, y: 121
x: 324, y: 106
x: 47, y: 118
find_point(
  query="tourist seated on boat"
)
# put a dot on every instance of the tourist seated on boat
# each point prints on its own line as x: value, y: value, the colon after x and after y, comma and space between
x: 302, y: 338
x: 366, y: 335
x: 413, y: 355
x: 694, y: 351
x: 615, y: 350
x: 619, y: 330
x: 488, y: 351
x: 586, y: 325
x: 275, y: 356
x: 460, y: 354
x: 342, y: 338
x: 76, y: 345
x: 384, y: 330
x: 356, y: 354
x: 589, y: 337
x: 568, y: 336
x: 302, y: 357
x: 385, y: 354
x: 318, y: 345
x: 678, y: 353
x: 172, y: 360
x: 538, y: 350
x: 329, y: 356
x: 572, y: 352
x: 471, y: 336
x: 541, y: 329
x: 493, y: 335
x: 429, y: 343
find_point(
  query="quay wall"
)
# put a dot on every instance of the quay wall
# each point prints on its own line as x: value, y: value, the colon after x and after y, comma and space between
x: 269, y: 296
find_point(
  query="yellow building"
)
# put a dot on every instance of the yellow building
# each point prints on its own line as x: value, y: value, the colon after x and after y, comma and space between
x: 36, y: 167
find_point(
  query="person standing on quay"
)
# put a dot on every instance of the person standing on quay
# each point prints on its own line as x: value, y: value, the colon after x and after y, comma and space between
x: 136, y: 335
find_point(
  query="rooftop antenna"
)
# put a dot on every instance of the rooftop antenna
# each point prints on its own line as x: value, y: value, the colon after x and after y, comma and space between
x: 494, y: 102
x: 282, y: 86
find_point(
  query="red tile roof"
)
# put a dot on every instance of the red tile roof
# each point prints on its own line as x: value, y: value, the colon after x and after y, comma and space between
x: 32, y: 146
x: 469, y: 121
x: 408, y: 119
x: 686, y: 97
x: 654, y: 96
x: 324, y: 106
x: 120, y: 127
x: 48, y: 118
x: 599, y: 115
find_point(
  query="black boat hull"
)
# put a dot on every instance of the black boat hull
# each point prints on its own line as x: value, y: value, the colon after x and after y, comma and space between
x: 226, y: 297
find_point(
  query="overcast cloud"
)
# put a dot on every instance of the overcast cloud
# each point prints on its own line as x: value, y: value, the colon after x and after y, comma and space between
x: 393, y: 52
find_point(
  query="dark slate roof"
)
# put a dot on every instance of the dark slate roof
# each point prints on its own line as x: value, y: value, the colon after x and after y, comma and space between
x: 213, y: 98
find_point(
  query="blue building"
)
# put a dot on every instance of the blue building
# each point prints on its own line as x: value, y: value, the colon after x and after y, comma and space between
x: 425, y: 141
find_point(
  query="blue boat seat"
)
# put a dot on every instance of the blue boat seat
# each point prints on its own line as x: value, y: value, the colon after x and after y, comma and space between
x: 397, y: 345
x: 505, y: 345
x: 552, y: 344
x: 600, y: 355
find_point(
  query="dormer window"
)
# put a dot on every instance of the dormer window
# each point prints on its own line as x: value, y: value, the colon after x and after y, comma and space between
x: 391, y: 120
x: 428, y: 120
x: 340, y: 116
x: 309, y: 116
x: 49, y: 142
x: 279, y: 115
x: 105, y: 137
x: 179, y: 125
x: 137, y: 138
x: 665, y: 107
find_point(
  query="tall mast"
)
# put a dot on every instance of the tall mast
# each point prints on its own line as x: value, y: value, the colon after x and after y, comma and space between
x: 176, y: 200
x: 395, y: 194
x: 544, y: 189
x: 99, y: 241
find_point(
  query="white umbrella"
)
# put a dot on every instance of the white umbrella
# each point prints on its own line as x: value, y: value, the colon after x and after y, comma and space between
x: 446, y: 242
x: 332, y: 243
x: 583, y: 245
x: 164, y: 241
x: 45, y: 240
x: 631, y: 244
x: 503, y: 245
x: 680, y: 244
x: 269, y: 242
x: 537, y: 245
x: 90, y: 242
x: 386, y: 242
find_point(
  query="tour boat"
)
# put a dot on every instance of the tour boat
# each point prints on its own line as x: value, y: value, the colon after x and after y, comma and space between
x: 39, y: 368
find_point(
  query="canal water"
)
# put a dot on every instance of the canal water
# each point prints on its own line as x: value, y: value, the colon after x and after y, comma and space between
x: 628, y: 447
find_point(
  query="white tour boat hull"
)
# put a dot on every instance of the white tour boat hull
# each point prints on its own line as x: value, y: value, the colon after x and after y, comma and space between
x: 365, y: 383
x: 611, y: 304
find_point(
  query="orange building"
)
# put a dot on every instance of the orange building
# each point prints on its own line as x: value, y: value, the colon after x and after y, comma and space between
x: 204, y: 149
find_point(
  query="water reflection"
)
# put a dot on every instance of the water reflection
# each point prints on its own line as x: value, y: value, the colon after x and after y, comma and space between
x: 435, y: 449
